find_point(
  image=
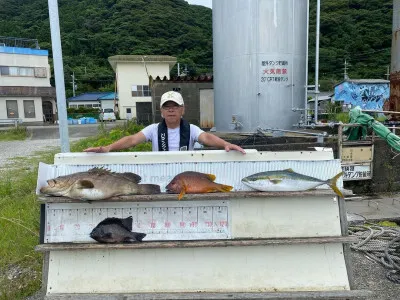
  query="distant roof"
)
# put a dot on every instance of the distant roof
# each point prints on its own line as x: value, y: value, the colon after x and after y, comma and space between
x: 113, y: 60
x: 203, y: 78
x: 90, y: 96
x: 369, y: 81
x: 26, y: 51
x: 109, y: 96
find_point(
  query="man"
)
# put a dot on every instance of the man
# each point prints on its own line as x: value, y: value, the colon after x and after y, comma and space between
x: 173, y: 133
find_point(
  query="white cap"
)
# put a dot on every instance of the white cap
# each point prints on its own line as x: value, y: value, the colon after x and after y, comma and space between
x: 171, y: 96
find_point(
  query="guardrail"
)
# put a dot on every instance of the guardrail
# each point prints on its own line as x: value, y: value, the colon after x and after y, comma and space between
x: 14, y: 122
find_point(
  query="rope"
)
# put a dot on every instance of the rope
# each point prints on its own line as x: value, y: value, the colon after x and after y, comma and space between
x: 381, y: 244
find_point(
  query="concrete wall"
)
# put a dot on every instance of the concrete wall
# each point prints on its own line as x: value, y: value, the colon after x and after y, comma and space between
x: 190, y: 91
x: 134, y: 73
x: 24, y: 60
x: 20, y: 103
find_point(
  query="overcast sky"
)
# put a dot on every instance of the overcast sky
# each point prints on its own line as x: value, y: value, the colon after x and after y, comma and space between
x: 207, y: 3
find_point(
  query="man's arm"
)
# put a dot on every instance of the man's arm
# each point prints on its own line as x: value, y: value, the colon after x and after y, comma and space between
x: 214, y: 141
x: 123, y: 143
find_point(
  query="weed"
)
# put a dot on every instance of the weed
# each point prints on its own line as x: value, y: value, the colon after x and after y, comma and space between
x: 13, y: 134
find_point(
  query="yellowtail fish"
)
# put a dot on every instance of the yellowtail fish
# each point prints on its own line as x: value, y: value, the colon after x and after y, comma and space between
x: 288, y: 181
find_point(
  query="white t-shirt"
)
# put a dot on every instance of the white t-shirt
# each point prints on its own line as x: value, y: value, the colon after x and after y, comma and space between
x: 151, y: 134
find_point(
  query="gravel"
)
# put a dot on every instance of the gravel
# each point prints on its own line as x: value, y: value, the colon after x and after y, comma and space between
x: 25, y: 148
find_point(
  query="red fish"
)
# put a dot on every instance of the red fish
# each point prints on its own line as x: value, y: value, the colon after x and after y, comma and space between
x: 195, y: 183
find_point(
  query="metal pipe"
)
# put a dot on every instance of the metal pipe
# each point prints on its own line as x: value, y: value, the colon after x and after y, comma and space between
x: 382, y: 111
x: 294, y: 131
x: 306, y: 83
x: 317, y: 62
x: 59, y: 75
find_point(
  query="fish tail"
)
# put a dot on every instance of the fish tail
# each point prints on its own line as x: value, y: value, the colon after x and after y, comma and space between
x: 225, y: 188
x: 332, y: 183
x: 148, y: 189
x: 139, y: 236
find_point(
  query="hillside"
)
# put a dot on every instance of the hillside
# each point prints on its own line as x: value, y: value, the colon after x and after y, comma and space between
x: 91, y: 31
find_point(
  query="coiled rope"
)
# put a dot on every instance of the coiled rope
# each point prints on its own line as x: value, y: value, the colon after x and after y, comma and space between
x: 381, y: 244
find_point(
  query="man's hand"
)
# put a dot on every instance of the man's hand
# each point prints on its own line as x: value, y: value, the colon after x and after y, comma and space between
x: 101, y: 149
x: 234, y: 147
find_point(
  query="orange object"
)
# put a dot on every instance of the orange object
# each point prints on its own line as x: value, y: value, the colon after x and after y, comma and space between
x: 195, y: 183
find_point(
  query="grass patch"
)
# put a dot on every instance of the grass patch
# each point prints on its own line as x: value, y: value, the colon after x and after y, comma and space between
x: 105, y: 138
x: 14, y: 134
x: 20, y: 265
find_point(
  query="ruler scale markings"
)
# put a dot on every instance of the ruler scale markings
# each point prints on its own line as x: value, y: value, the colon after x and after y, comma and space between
x: 160, y: 221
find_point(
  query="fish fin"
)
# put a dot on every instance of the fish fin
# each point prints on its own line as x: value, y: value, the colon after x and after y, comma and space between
x: 275, y: 181
x: 117, y: 221
x: 181, y: 194
x: 139, y: 236
x: 332, y: 184
x: 225, y: 188
x: 211, y: 177
x: 84, y: 184
x: 183, y: 191
x: 148, y: 189
x: 99, y: 171
x: 289, y: 170
x: 127, y: 223
x: 131, y: 176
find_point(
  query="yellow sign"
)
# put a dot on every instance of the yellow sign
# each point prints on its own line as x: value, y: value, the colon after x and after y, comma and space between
x: 356, y: 154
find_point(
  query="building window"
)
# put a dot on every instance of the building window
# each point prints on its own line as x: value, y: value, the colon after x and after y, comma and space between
x: 17, y: 71
x: 141, y: 91
x: 29, y: 109
x: 12, y: 108
x: 40, y: 72
x: 73, y: 106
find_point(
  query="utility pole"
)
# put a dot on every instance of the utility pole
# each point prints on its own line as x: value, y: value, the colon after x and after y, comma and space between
x: 345, y: 70
x: 59, y: 74
x: 73, y: 83
x: 179, y: 74
x: 186, y: 72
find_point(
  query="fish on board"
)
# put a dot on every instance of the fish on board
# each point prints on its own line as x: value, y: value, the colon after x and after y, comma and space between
x: 116, y: 230
x: 288, y: 181
x: 98, y: 184
x: 195, y: 183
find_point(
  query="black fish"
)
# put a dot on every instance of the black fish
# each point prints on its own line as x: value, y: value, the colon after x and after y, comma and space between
x: 115, y: 230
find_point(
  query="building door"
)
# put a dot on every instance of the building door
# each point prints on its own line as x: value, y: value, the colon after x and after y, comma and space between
x: 47, y: 107
x: 144, y: 113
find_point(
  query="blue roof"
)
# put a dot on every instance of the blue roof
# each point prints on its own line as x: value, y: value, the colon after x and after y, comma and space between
x: 109, y: 96
x: 27, y: 51
x: 91, y: 96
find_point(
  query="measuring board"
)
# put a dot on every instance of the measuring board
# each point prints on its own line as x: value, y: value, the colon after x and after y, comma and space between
x: 170, y: 220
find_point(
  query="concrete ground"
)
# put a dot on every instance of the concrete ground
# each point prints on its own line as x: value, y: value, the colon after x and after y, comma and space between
x: 368, y: 274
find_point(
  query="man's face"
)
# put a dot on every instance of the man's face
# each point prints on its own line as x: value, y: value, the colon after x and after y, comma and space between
x: 172, y: 111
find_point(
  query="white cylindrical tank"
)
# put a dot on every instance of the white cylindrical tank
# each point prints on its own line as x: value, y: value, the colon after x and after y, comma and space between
x: 260, y: 63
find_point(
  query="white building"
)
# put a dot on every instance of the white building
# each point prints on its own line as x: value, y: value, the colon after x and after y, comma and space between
x: 25, y: 90
x: 132, y: 73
